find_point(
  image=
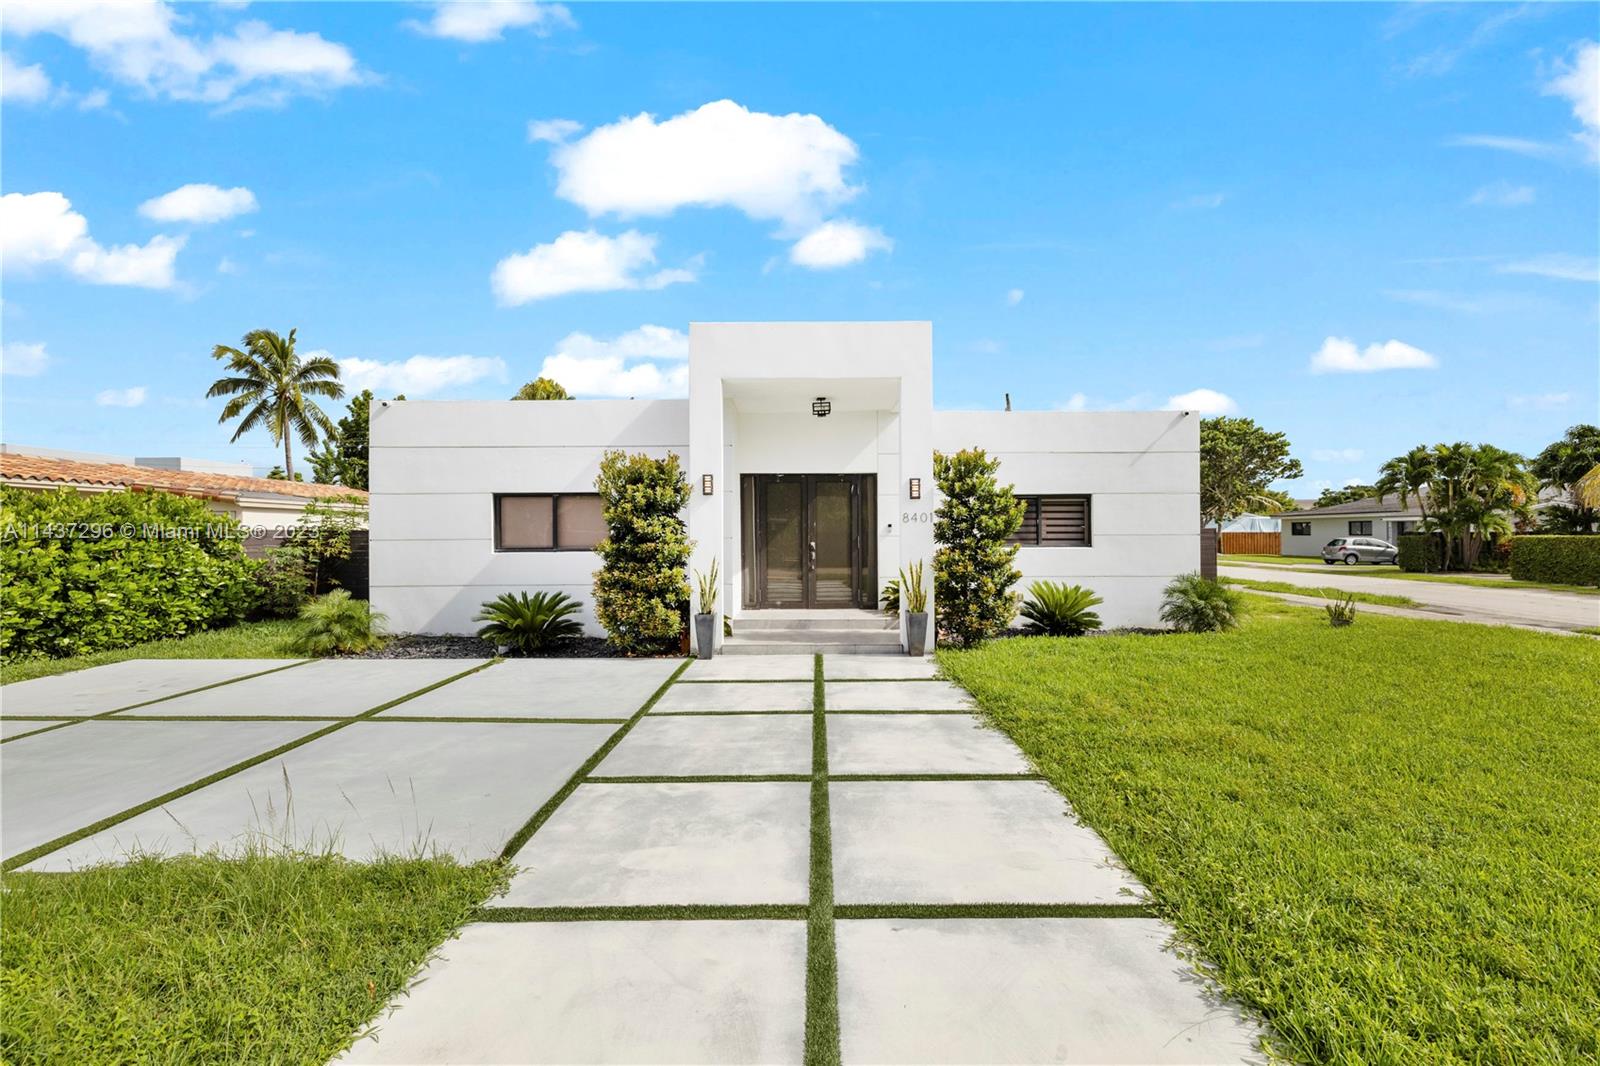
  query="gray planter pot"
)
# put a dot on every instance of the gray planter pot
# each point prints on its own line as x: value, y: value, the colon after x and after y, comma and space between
x: 705, y: 635
x: 916, y: 632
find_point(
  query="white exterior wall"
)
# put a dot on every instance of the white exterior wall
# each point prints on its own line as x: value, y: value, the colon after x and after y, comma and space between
x: 1141, y: 471
x: 435, y: 467
x: 1326, y: 528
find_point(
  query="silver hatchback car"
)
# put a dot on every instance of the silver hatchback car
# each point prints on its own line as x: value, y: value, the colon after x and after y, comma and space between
x: 1353, y: 550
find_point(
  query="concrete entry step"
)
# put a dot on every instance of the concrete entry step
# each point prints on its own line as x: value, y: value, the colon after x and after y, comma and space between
x: 761, y: 646
x: 821, y: 636
x: 859, y: 621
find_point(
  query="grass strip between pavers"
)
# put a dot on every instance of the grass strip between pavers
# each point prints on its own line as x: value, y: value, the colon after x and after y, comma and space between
x: 542, y: 815
x: 855, y: 911
x: 23, y: 858
x: 822, y: 959
x: 649, y: 912
x: 158, y: 699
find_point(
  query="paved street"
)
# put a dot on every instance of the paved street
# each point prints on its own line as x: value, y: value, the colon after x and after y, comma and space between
x: 1538, y: 608
x: 744, y: 862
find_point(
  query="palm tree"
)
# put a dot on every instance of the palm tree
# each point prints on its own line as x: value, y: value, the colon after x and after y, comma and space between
x: 1406, y: 476
x: 271, y: 387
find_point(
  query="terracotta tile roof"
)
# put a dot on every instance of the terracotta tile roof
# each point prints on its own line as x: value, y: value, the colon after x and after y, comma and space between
x: 38, y: 468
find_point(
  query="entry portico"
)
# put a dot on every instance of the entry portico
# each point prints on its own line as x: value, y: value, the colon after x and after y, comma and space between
x: 816, y: 430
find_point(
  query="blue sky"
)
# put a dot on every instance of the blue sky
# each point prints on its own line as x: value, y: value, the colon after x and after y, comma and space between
x: 1369, y: 226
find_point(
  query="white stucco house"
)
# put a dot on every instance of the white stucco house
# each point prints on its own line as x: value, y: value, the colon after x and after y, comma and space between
x: 1305, y: 531
x: 809, y: 450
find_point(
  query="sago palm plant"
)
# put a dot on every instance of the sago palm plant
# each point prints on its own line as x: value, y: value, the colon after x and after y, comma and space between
x: 529, y: 623
x: 1057, y: 610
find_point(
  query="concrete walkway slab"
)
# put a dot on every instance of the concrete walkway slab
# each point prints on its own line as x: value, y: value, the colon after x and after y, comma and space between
x: 1068, y: 990
x: 71, y: 778
x: 338, y: 687
x: 752, y: 668
x: 897, y: 696
x: 460, y: 788
x: 106, y: 688
x: 737, y: 696
x: 14, y: 727
x: 719, y: 744
x: 637, y: 992
x: 545, y: 688
x: 630, y: 845
x: 967, y: 842
x: 878, y: 668
x: 919, y: 744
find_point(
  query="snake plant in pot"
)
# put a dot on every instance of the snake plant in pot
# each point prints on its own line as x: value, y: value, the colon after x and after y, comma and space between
x: 705, y: 620
x: 914, y: 605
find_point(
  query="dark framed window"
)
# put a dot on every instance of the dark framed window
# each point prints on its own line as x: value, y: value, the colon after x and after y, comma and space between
x: 1299, y: 529
x: 532, y: 522
x: 1361, y: 529
x: 1054, y: 522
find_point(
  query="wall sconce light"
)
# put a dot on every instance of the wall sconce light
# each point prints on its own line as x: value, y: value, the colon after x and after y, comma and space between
x: 916, y: 488
x: 821, y: 407
x: 706, y: 485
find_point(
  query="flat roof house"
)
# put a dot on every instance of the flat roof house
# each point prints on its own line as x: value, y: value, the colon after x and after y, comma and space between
x: 809, y: 450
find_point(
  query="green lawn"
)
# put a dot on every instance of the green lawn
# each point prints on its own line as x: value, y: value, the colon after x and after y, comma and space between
x: 1395, y: 574
x: 1384, y: 838
x: 270, y: 958
x: 251, y: 640
x: 1327, y: 592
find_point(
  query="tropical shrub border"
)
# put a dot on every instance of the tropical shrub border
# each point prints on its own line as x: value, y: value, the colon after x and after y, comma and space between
x: 1572, y: 559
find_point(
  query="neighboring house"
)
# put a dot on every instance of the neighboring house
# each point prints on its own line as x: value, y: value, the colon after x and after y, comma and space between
x: 1305, y: 531
x: 263, y: 504
x: 809, y: 452
x: 1251, y: 523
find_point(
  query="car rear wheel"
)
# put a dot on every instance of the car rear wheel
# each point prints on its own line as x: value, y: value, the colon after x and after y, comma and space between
x: 1327, y: 562
x: 1351, y: 560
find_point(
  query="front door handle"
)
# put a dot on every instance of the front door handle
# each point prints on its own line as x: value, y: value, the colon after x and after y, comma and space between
x: 813, y: 554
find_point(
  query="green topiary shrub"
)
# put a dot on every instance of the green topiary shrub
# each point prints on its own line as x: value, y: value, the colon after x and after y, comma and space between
x: 1193, y: 604
x: 339, y: 625
x: 641, y: 591
x: 1561, y: 560
x: 973, y: 565
x: 1057, y: 610
x: 91, y: 572
x: 1420, y: 553
x: 530, y: 623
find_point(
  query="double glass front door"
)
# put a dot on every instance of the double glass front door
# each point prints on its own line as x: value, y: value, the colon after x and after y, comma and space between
x: 809, y: 540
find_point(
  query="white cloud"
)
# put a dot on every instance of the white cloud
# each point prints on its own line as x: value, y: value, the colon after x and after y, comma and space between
x: 1209, y: 201
x: 1076, y: 402
x: 137, y: 42
x: 1560, y: 267
x: 1339, y: 355
x: 1467, y: 303
x: 583, y: 262
x: 646, y: 342
x: 1502, y: 194
x: 131, y: 397
x: 226, y: 265
x: 1579, y: 81
x: 625, y: 365
x: 1014, y: 297
x: 1337, y: 455
x: 1514, y: 145
x: 39, y: 228
x: 21, y: 360
x: 786, y: 168
x: 199, y: 204
x: 28, y: 85
x: 420, y: 375
x: 1203, y: 401
x: 552, y: 130
x: 1548, y: 401
x: 838, y: 243
x: 476, y: 21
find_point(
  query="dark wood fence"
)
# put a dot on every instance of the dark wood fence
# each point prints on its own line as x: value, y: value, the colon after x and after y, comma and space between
x: 1252, y: 544
x: 351, y: 573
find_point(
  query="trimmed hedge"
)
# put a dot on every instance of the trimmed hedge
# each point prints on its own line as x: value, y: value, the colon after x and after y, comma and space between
x: 91, y: 572
x: 1420, y: 553
x: 1559, y: 560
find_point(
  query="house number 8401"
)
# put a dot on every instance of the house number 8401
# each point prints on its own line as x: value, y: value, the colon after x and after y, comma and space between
x: 908, y: 517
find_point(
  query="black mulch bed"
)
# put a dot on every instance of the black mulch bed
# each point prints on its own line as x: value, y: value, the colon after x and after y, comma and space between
x: 427, y: 647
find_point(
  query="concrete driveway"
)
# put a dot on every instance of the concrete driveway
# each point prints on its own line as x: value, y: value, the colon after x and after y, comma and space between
x: 712, y: 866
x: 1536, y: 608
